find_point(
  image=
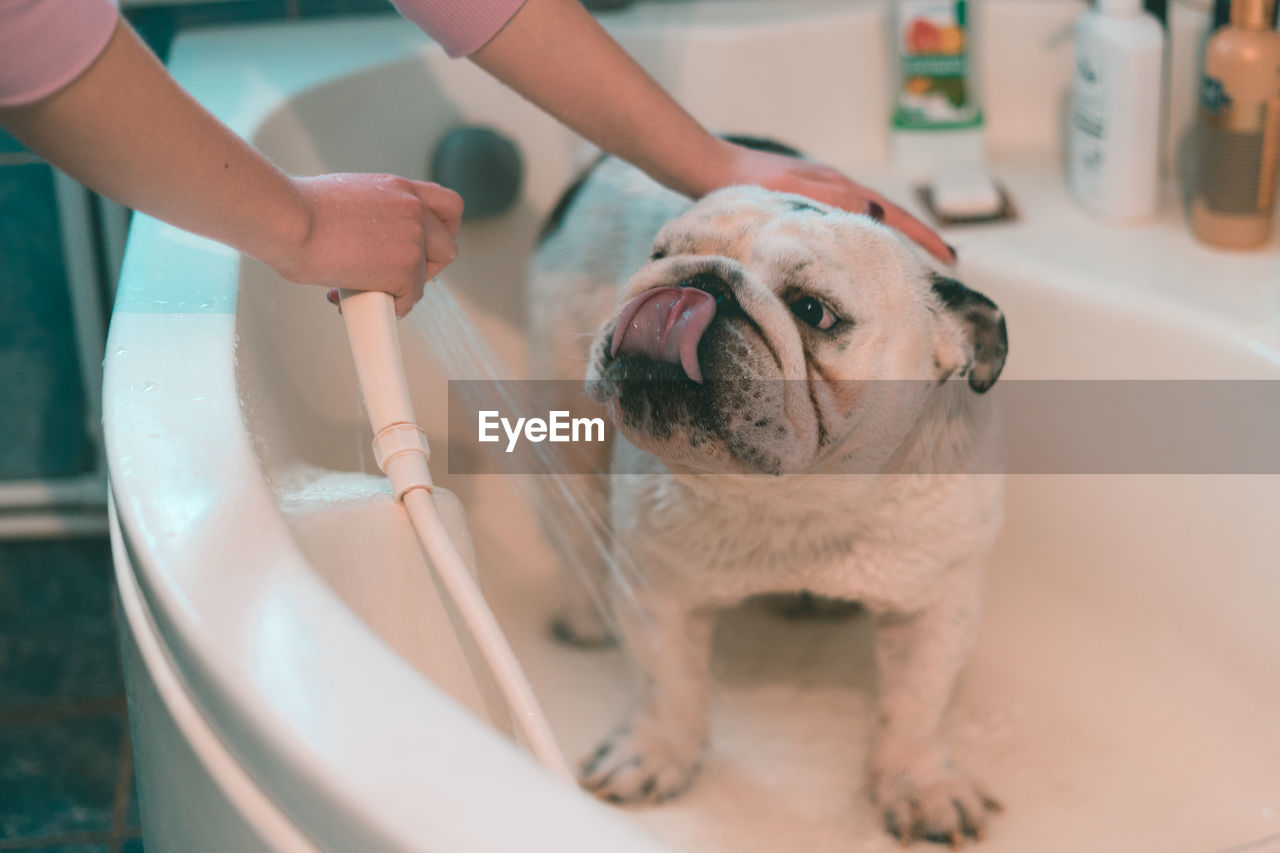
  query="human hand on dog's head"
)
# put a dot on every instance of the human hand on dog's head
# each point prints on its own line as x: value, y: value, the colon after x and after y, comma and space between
x: 743, y: 165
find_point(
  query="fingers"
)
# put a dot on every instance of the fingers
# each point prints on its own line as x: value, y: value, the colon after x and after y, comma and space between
x: 371, y: 232
x: 439, y: 247
x: 828, y: 185
x: 405, y: 301
x: 879, y: 208
x: 404, y: 304
x: 921, y: 234
x: 443, y: 202
x: 857, y: 199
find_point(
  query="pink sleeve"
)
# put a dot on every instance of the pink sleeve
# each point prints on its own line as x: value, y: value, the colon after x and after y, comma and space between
x: 46, y: 44
x: 460, y: 26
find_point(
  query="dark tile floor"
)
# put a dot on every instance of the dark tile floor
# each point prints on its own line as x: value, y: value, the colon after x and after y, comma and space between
x: 66, y: 769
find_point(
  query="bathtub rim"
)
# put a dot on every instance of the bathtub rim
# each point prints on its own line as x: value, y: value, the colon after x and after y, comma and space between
x: 245, y: 797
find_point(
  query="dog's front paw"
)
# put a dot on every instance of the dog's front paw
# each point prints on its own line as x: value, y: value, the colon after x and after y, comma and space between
x: 926, y: 796
x: 639, y: 764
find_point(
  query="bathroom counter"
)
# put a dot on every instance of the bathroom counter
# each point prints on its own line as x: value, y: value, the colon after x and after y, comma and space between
x: 1160, y: 258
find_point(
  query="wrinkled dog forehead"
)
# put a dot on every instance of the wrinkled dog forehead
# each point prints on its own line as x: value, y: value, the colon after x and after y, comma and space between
x: 759, y: 228
x: 728, y: 221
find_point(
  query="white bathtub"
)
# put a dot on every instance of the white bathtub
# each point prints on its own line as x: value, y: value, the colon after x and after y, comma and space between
x: 294, y: 679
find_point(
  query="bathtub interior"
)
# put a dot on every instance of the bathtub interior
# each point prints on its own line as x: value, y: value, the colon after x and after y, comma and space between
x: 1122, y: 693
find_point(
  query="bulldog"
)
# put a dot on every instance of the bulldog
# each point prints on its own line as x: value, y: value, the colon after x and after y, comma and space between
x: 798, y: 406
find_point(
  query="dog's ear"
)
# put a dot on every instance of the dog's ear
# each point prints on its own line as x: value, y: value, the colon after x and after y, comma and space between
x: 973, y: 340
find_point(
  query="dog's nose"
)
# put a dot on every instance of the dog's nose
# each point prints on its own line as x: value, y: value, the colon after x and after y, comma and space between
x: 713, y: 284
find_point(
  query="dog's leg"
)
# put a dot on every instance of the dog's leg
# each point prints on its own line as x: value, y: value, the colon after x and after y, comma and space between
x: 654, y: 754
x: 919, y: 790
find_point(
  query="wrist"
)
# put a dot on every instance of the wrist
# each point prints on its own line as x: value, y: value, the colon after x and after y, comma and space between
x: 706, y: 164
x: 279, y: 238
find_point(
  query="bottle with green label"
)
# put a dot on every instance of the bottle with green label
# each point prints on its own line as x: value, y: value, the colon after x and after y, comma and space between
x: 937, y: 80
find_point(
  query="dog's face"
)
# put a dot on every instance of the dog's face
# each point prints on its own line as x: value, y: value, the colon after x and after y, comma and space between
x: 756, y: 338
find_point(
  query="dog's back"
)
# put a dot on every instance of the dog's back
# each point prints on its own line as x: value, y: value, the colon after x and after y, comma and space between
x: 596, y: 237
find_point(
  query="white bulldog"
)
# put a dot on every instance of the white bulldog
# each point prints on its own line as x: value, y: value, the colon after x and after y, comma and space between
x: 798, y: 397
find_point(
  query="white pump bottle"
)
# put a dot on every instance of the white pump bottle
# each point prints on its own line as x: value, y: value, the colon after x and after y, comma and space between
x: 1113, y: 163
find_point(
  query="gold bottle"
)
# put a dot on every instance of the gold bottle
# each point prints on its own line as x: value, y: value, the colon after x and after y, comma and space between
x: 1240, y: 130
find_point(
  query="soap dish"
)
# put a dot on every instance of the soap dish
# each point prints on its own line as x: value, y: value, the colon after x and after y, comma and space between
x: 1003, y: 211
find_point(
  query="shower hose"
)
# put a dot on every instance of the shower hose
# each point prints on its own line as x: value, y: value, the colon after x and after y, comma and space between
x: 401, y: 450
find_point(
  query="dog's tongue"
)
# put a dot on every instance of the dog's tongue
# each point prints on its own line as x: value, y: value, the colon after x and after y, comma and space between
x: 666, y: 324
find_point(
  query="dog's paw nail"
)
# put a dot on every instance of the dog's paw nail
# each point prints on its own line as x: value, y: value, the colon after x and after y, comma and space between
x: 898, y: 821
x: 632, y: 768
x: 588, y: 766
x: 931, y: 799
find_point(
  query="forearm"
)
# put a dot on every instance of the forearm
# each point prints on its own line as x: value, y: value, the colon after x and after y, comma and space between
x: 127, y: 130
x: 555, y: 54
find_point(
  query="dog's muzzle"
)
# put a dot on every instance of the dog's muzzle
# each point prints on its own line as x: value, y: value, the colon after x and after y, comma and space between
x: 666, y: 324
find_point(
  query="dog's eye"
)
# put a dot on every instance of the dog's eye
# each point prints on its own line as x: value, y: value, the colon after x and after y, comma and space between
x: 658, y: 254
x: 814, y: 313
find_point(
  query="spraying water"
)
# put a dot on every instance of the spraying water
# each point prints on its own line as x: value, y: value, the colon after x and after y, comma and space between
x: 561, y: 490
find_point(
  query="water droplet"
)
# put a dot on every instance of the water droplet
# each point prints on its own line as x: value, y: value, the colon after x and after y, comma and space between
x: 150, y: 386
